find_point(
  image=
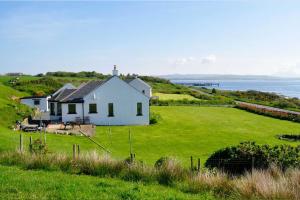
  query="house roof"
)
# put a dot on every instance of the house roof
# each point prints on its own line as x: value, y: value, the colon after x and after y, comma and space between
x: 82, y: 91
x: 62, y: 94
x: 34, y: 97
x: 129, y: 80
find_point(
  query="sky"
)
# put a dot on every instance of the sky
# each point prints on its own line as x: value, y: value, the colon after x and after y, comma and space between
x: 151, y: 38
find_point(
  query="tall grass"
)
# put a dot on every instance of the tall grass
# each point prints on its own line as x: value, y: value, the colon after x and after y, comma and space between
x: 270, y: 184
x: 260, y: 184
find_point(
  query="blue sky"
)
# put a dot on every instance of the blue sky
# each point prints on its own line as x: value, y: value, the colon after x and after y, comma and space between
x: 211, y: 37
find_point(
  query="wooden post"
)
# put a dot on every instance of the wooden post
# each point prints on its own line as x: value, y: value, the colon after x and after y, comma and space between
x: 130, y: 145
x: 74, y: 151
x: 192, y: 164
x: 45, y: 137
x: 131, y: 158
x: 21, y: 142
x: 252, y: 164
x: 78, y: 150
x: 30, y: 144
x: 198, y: 167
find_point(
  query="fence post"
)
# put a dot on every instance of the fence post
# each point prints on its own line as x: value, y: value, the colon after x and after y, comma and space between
x: 192, y: 164
x: 78, y: 150
x: 45, y: 137
x: 252, y: 164
x: 30, y: 144
x: 21, y: 142
x: 74, y: 151
x: 198, y: 167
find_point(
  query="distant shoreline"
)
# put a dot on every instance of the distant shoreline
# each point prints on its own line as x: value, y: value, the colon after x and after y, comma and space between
x: 286, y: 87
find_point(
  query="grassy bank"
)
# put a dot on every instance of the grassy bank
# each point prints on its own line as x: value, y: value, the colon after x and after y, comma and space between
x: 260, y: 184
x: 16, y: 183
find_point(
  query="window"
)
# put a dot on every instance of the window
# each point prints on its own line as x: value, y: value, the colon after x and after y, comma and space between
x: 36, y: 102
x: 52, y: 107
x: 139, y: 109
x: 72, y: 108
x: 58, y: 109
x: 110, y: 109
x: 92, y: 108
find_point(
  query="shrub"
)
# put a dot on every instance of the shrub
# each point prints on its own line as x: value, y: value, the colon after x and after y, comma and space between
x: 245, y: 156
x: 154, y: 118
x: 38, y: 147
x: 213, y: 91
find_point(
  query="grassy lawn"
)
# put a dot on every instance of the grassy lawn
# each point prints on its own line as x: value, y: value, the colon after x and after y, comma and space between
x: 163, y: 96
x: 16, y: 183
x: 182, y: 132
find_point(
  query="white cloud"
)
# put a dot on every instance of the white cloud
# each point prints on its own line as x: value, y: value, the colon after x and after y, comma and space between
x: 209, y: 59
x: 184, y: 61
x: 193, y: 60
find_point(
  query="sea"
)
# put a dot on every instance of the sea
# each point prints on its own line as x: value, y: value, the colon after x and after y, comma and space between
x: 289, y: 88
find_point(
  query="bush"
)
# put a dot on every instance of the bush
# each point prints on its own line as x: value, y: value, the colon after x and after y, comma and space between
x: 38, y: 147
x: 154, y: 118
x: 248, y: 155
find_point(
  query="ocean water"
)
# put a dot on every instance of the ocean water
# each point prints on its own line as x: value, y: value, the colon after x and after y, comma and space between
x: 290, y: 88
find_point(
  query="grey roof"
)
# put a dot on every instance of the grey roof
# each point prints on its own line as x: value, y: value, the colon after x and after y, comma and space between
x: 62, y: 94
x: 129, y: 80
x: 34, y: 97
x: 82, y: 91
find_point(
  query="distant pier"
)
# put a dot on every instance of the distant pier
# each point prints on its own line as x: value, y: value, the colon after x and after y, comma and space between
x: 200, y: 84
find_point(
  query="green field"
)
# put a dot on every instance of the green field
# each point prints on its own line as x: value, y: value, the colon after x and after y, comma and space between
x: 20, y: 184
x: 182, y: 132
x: 163, y: 96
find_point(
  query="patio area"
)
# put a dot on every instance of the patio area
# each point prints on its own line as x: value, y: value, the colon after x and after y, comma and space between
x: 71, y: 129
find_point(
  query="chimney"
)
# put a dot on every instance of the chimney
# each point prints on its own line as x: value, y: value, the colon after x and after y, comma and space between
x: 115, y: 71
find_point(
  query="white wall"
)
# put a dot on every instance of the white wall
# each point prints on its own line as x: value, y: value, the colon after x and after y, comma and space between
x: 43, y: 103
x: 70, y: 117
x: 124, y: 98
x: 140, y: 85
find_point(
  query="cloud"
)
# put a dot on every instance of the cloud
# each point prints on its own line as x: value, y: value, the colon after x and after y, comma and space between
x: 192, y: 60
x: 184, y: 61
x: 209, y: 59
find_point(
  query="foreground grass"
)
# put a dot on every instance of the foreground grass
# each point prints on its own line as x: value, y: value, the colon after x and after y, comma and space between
x: 182, y: 132
x: 259, y: 184
x: 16, y: 183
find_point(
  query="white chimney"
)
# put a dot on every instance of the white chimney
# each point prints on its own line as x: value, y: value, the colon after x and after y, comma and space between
x: 115, y: 71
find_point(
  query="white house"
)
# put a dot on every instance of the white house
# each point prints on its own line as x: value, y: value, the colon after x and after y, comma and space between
x: 110, y: 102
x: 40, y: 102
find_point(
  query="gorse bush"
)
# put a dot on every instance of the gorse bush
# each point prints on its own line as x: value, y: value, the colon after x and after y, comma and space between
x: 245, y: 156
